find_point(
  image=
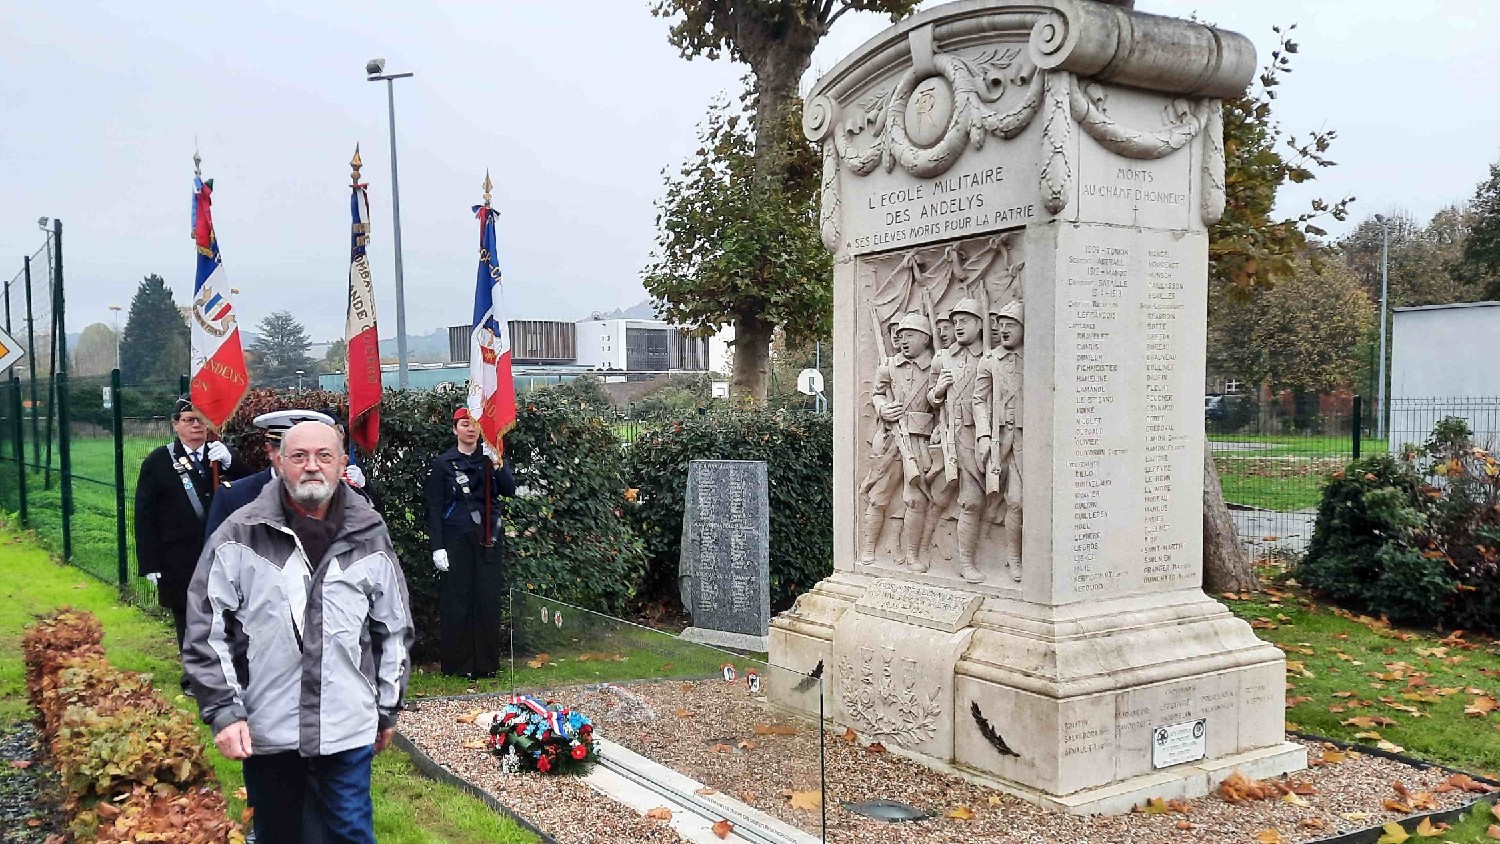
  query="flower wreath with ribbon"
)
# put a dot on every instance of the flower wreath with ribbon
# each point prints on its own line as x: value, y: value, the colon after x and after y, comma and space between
x: 529, y: 735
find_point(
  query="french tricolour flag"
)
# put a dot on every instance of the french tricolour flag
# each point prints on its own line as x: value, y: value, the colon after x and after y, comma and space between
x: 362, y: 373
x: 492, y: 390
x: 220, y: 377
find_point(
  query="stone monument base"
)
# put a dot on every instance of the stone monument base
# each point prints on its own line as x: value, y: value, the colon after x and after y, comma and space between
x: 726, y: 639
x: 1184, y: 782
x: 1087, y: 707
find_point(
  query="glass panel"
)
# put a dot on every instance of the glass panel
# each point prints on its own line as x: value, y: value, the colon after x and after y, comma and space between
x: 702, y: 712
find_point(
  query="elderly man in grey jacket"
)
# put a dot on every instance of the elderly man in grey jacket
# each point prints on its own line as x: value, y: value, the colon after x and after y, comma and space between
x: 298, y: 641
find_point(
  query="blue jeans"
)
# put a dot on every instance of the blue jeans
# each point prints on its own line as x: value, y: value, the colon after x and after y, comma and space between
x: 337, y: 786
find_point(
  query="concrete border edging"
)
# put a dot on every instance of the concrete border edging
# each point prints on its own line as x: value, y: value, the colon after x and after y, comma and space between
x: 433, y: 771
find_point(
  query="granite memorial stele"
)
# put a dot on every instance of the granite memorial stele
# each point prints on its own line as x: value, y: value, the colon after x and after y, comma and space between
x: 1017, y: 196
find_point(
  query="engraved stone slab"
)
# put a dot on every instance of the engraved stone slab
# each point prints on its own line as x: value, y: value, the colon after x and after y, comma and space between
x: 914, y: 603
x: 725, y: 569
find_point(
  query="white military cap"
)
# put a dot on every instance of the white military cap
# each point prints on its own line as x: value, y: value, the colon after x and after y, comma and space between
x: 278, y: 422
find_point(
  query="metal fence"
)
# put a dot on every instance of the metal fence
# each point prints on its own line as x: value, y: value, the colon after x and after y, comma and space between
x: 1274, y: 462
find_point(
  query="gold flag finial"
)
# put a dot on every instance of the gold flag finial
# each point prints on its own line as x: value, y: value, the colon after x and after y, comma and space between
x: 356, y: 163
x: 488, y: 186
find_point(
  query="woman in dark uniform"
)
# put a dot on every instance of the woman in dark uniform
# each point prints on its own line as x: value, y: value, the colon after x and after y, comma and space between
x: 464, y: 488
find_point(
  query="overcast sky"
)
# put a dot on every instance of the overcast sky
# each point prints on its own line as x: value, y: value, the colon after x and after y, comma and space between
x: 574, y: 107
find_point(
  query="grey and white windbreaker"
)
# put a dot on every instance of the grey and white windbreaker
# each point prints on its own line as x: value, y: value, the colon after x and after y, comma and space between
x: 312, y: 671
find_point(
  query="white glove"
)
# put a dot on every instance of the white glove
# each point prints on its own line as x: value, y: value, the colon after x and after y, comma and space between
x: 155, y: 578
x: 219, y: 452
x: 440, y: 560
x: 354, y: 476
x: 490, y: 453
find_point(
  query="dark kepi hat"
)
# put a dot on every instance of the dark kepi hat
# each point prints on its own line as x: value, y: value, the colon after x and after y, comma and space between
x: 278, y: 422
x: 183, y: 405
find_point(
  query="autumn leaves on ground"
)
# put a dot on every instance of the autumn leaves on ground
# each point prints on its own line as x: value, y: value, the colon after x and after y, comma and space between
x: 1357, y: 679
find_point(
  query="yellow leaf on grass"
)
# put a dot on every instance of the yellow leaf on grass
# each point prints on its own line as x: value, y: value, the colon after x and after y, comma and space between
x: 1481, y: 706
x: 961, y: 813
x: 1428, y: 829
x: 1390, y: 747
x: 1394, y: 834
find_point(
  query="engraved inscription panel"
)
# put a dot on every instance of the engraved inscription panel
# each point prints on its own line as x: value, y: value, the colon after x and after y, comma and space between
x: 725, y: 567
x: 915, y: 603
x: 1128, y: 507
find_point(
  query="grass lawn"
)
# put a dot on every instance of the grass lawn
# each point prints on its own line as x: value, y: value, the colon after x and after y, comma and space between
x: 409, y: 809
x: 1355, y: 679
x: 1287, y: 475
x: 589, y: 648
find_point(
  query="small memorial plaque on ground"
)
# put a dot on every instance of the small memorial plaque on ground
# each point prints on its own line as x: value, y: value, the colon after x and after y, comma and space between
x: 725, y: 570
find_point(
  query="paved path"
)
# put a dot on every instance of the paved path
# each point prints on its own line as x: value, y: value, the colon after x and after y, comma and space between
x: 1264, y: 530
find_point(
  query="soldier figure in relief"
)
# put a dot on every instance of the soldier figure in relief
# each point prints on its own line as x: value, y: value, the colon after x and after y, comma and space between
x: 954, y: 393
x: 944, y: 338
x: 899, y: 455
x: 998, y: 420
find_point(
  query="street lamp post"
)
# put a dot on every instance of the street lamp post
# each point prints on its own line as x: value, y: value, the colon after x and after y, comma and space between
x: 299, y: 381
x: 116, y: 310
x: 375, y: 72
x: 1380, y: 413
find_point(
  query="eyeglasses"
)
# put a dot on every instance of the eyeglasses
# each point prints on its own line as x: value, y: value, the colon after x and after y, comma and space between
x: 302, y: 458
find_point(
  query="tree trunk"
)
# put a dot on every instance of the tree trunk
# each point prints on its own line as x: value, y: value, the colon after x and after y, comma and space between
x: 752, y: 361
x: 1226, y: 564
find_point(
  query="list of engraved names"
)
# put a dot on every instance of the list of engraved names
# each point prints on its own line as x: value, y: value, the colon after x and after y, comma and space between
x: 1123, y: 300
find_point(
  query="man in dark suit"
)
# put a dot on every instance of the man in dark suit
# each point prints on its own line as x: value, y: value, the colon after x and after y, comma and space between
x: 172, y: 498
x: 244, y: 490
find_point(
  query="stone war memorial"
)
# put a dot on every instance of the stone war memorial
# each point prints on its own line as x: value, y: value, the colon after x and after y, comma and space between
x: 725, y: 571
x: 1017, y: 196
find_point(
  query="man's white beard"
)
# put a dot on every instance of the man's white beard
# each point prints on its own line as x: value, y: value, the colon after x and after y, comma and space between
x: 310, y: 493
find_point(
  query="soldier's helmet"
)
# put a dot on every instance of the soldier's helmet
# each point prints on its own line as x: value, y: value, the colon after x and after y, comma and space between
x: 915, y: 322
x: 969, y: 306
x: 1014, y: 311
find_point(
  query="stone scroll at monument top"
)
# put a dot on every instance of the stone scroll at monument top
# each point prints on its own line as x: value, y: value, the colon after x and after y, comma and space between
x: 1017, y: 196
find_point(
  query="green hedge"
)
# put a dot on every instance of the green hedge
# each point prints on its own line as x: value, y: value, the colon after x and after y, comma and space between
x: 798, y: 450
x: 565, y: 535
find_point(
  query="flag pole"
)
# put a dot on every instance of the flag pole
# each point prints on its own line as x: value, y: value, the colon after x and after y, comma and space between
x: 489, y: 473
x: 354, y: 163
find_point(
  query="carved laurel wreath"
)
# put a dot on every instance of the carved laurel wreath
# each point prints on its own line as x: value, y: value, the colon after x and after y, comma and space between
x: 977, y: 84
x: 887, y: 710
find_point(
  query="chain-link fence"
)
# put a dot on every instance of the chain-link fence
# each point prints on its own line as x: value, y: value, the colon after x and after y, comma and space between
x: 1275, y: 459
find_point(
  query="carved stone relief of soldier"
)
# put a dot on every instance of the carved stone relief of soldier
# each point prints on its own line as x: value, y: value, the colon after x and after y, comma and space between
x: 938, y: 317
x: 998, y: 422
x: 899, y: 456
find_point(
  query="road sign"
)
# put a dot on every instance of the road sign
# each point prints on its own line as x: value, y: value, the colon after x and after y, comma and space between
x: 810, y: 382
x: 10, y: 352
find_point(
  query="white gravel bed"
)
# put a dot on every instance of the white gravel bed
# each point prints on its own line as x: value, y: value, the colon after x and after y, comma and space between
x: 697, y: 727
